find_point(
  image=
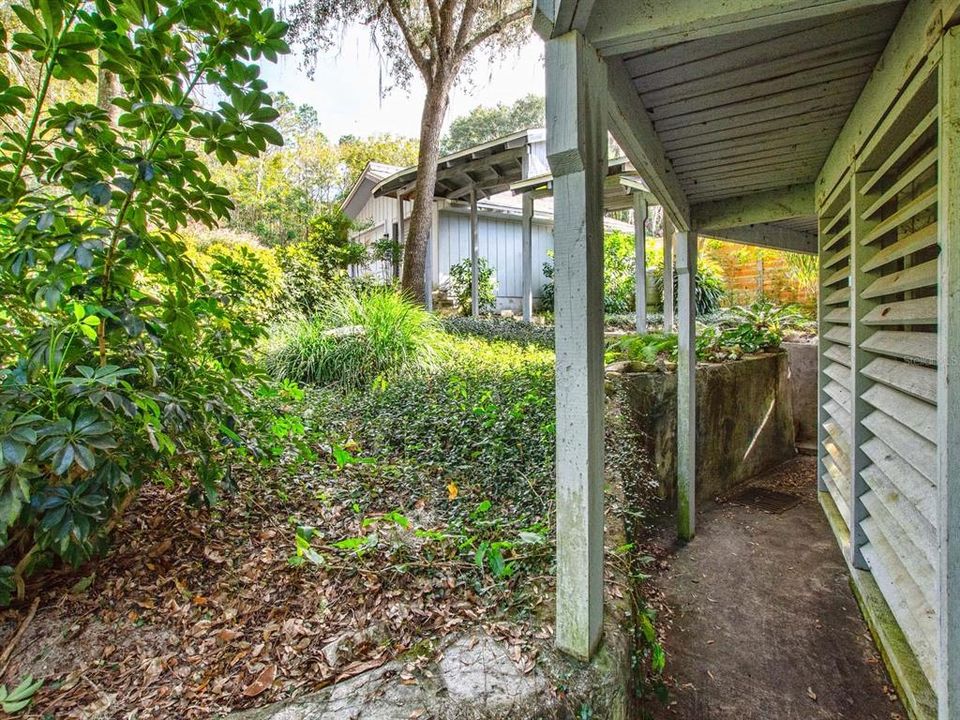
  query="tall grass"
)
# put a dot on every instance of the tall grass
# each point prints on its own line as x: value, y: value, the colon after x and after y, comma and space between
x: 356, y: 338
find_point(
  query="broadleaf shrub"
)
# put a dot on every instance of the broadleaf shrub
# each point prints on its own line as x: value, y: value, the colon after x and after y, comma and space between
x: 355, y: 338
x: 460, y: 286
x: 122, y: 361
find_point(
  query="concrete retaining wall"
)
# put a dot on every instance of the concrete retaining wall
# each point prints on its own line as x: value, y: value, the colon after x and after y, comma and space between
x: 745, y: 421
x: 803, y: 387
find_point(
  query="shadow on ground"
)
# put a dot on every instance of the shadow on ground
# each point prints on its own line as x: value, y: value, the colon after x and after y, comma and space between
x: 760, y: 619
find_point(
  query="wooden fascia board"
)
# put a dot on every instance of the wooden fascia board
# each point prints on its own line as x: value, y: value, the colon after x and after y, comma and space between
x: 763, y: 207
x: 769, y: 236
x: 634, y: 132
x: 915, y: 36
x: 616, y: 27
x: 544, y: 17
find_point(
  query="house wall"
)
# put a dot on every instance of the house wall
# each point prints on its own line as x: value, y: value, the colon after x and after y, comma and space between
x: 501, y: 245
x: 375, y: 220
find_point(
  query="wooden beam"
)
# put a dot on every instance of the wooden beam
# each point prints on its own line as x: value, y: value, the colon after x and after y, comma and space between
x: 781, y: 204
x: 916, y: 34
x: 948, y: 371
x: 572, y: 15
x: 668, y: 312
x: 770, y: 236
x: 474, y: 256
x: 618, y: 27
x: 577, y: 153
x: 544, y: 17
x: 633, y: 130
x: 687, y: 386
x: 640, y: 259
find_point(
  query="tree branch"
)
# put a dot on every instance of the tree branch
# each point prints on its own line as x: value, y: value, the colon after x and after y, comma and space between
x: 470, y: 10
x: 416, y: 52
x: 495, y: 28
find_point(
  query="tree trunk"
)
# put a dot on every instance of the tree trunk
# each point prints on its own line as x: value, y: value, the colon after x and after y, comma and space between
x: 421, y: 217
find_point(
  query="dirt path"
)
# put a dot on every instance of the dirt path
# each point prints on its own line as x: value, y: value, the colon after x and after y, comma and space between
x: 761, y: 622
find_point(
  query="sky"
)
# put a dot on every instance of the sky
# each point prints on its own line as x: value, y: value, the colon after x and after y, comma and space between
x: 345, y: 88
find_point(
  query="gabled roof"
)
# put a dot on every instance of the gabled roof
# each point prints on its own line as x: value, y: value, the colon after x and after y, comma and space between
x: 363, y: 186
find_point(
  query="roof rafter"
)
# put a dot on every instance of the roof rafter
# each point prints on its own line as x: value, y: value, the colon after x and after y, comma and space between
x: 634, y: 132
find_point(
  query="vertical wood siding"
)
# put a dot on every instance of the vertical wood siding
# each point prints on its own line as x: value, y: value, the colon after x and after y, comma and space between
x: 500, y: 244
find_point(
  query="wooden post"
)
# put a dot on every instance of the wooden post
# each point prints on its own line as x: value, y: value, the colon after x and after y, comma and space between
x: 858, y: 434
x: 948, y: 371
x: 526, y: 227
x: 474, y: 256
x: 640, y: 259
x: 577, y: 152
x: 687, y: 386
x: 668, y: 308
x: 402, y: 235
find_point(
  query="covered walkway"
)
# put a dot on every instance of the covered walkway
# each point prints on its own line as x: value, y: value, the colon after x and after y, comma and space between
x: 760, y: 625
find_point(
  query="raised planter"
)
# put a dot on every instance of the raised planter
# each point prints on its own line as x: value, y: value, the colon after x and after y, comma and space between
x: 803, y: 384
x: 745, y: 421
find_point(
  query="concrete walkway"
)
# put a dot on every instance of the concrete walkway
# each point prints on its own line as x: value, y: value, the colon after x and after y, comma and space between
x: 761, y: 623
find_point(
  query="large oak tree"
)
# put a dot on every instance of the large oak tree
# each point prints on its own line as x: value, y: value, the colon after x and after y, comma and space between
x: 436, y: 39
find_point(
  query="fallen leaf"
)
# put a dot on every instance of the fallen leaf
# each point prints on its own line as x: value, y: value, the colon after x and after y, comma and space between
x: 226, y: 636
x: 452, y: 491
x: 263, y: 682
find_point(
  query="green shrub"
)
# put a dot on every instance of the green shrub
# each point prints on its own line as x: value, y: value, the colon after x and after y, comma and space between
x: 619, y: 282
x: 460, y: 286
x: 125, y: 363
x: 355, y: 338
x: 495, y: 328
x: 240, y: 271
x: 710, y: 287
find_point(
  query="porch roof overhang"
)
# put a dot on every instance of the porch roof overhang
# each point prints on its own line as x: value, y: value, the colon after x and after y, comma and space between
x: 488, y: 169
x: 621, y: 184
x: 731, y: 112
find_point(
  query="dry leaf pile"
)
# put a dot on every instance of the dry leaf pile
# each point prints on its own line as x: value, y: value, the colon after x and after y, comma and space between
x: 196, y: 612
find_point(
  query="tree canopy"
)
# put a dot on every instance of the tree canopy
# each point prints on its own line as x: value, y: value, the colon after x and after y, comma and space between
x: 486, y: 123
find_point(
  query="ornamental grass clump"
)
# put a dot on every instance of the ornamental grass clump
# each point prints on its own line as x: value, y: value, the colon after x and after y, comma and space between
x: 358, y: 337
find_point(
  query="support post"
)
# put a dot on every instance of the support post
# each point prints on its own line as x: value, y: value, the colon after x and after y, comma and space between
x: 687, y: 386
x: 668, y: 307
x: 640, y: 259
x: 577, y: 152
x: 526, y: 228
x: 859, y: 434
x: 948, y: 371
x: 402, y: 235
x: 474, y: 256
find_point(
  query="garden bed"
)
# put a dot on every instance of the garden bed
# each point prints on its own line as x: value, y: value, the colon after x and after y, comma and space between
x: 388, y: 524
